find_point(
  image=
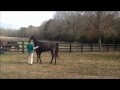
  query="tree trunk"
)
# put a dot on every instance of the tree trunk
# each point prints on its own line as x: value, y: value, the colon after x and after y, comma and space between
x: 99, y: 13
x: 100, y: 46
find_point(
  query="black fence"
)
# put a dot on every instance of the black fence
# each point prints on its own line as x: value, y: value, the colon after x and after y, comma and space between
x: 83, y: 47
x: 63, y: 47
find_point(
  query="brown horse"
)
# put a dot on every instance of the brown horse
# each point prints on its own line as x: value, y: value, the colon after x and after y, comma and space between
x: 45, y: 46
x: 7, y: 45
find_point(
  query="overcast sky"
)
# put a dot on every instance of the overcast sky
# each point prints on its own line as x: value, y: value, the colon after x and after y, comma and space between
x: 17, y: 19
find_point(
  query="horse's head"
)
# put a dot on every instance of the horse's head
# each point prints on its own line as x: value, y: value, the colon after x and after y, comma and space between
x: 35, y: 41
x: 31, y: 38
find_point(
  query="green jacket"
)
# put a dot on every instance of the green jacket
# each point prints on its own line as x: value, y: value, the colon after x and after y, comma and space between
x: 30, y: 48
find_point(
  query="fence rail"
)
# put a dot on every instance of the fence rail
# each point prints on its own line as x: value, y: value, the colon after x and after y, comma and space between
x: 68, y: 47
x: 92, y: 47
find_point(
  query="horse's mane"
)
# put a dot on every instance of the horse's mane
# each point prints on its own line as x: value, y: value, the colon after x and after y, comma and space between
x: 36, y: 42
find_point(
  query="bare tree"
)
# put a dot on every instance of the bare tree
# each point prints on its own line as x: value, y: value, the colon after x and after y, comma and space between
x: 98, y: 17
x: 100, y: 24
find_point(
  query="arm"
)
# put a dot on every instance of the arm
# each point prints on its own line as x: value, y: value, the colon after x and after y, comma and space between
x: 36, y: 47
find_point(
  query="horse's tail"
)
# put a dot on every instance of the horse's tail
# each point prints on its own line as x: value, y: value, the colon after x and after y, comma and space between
x: 56, y: 51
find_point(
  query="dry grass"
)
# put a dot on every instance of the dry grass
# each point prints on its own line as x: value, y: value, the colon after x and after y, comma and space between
x: 75, y: 65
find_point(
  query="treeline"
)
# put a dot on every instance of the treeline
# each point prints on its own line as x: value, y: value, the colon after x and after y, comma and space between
x: 22, y: 32
x: 90, y: 26
x: 71, y: 26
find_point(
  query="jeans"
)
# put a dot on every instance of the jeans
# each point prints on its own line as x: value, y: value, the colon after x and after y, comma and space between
x: 30, y: 58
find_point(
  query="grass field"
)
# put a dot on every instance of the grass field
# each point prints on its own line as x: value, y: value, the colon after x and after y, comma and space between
x: 75, y: 65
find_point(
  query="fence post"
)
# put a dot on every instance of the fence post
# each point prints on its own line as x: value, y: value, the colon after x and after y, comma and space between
x: 70, y: 46
x: 107, y: 47
x: 91, y: 47
x: 81, y: 47
x: 58, y: 47
x: 23, y: 47
x: 115, y: 47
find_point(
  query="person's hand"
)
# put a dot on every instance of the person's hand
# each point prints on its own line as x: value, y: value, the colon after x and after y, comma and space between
x: 36, y: 47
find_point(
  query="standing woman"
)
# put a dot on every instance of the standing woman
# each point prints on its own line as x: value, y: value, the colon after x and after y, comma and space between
x: 30, y: 49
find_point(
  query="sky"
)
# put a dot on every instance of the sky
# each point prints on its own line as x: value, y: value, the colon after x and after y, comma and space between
x: 17, y: 19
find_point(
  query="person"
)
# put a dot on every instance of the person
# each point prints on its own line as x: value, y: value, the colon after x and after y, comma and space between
x: 1, y: 50
x: 30, y: 49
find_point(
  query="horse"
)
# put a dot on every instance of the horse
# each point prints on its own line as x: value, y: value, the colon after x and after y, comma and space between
x: 7, y: 45
x: 1, y: 48
x: 13, y: 43
x: 44, y: 47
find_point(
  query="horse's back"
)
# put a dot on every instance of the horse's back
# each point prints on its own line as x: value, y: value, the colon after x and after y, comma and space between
x: 46, y: 46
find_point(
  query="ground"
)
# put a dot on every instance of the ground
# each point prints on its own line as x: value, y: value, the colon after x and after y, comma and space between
x: 75, y: 65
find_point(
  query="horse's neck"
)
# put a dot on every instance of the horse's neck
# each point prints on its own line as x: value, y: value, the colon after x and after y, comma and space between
x: 35, y: 42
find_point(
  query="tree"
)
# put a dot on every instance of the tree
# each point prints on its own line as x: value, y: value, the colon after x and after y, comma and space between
x: 69, y: 22
x: 98, y: 17
x: 101, y: 24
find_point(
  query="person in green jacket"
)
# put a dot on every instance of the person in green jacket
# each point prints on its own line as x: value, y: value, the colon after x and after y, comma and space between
x: 30, y: 49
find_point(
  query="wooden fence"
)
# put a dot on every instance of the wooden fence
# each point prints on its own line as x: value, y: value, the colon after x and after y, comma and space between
x: 83, y: 47
x: 70, y: 47
x: 12, y: 47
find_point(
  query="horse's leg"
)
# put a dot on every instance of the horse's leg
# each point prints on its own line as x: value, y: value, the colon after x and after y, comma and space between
x: 52, y: 56
x: 18, y: 48
x: 37, y: 57
x: 55, y: 56
x: 40, y: 58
